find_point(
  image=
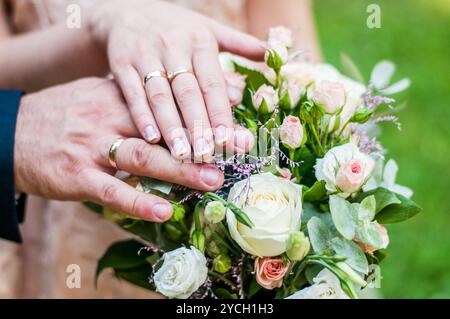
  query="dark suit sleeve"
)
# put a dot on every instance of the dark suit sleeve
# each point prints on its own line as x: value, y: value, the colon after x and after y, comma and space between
x: 10, y: 210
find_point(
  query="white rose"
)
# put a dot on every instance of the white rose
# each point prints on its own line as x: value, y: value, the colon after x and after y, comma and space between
x: 344, y: 168
x: 326, y: 286
x: 274, y: 206
x: 182, y: 273
x: 280, y: 35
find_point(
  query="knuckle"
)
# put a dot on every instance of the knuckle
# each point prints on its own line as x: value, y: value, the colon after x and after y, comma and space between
x: 187, y: 92
x: 203, y: 38
x: 221, y: 114
x: 108, y: 193
x: 119, y: 62
x: 159, y: 97
x: 134, y: 96
x: 211, y: 83
x: 139, y: 157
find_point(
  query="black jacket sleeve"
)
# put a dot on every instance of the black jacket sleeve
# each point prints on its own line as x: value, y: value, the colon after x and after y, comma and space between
x: 11, y: 211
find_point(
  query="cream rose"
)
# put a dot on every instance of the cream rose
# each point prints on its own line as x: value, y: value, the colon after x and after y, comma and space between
x: 329, y: 94
x: 182, y: 273
x: 326, y: 286
x: 344, y: 169
x: 265, y: 99
x: 274, y: 206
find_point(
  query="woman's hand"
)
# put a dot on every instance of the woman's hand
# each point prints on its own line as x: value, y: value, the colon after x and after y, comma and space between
x: 143, y: 36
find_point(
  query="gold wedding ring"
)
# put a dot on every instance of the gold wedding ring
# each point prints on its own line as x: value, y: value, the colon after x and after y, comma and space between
x: 172, y: 75
x: 113, y: 152
x: 155, y: 74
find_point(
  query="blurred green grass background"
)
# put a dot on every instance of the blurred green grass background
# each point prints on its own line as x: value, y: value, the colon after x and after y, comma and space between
x: 415, y: 34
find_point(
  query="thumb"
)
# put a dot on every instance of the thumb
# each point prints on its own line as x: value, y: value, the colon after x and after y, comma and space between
x: 237, y: 42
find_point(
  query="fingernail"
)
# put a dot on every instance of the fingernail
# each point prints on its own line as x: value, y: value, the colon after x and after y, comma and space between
x: 162, y: 211
x: 202, y: 147
x: 179, y: 147
x: 243, y: 139
x: 234, y: 95
x: 150, y: 133
x: 210, y: 176
x: 221, y: 135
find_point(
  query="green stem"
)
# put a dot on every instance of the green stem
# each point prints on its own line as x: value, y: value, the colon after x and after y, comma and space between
x: 214, y: 274
x: 218, y: 238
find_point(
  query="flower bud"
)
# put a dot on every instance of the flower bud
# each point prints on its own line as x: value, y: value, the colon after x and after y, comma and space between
x: 351, y: 274
x: 290, y: 97
x: 198, y: 241
x: 222, y: 264
x: 291, y: 132
x: 284, y: 173
x: 235, y: 87
x: 276, y: 56
x: 215, y: 212
x: 298, y: 246
x: 361, y: 116
x: 178, y: 212
x: 265, y: 99
x: 331, y: 95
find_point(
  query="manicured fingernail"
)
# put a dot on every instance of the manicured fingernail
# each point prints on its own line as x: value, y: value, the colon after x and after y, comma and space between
x: 179, y: 147
x: 150, y: 133
x: 234, y: 95
x: 162, y: 211
x: 243, y: 139
x: 221, y: 135
x: 202, y: 147
x: 210, y: 176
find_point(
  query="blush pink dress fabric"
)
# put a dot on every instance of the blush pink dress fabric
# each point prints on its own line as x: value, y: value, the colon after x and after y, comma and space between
x: 58, y: 234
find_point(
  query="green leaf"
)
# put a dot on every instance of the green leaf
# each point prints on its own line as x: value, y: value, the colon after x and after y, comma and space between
x: 222, y: 293
x: 397, y: 213
x: 319, y: 235
x: 254, y: 78
x: 350, y: 68
x: 343, y: 216
x: 368, y: 234
x: 366, y: 210
x: 96, y: 208
x: 350, y: 250
x: 138, y: 276
x: 254, y: 288
x: 383, y: 198
x: 317, y: 192
x: 151, y: 184
x: 122, y: 255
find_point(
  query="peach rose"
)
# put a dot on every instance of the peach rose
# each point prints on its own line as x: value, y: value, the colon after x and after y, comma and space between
x: 350, y: 176
x: 291, y: 132
x: 369, y: 249
x: 235, y: 87
x: 270, y: 272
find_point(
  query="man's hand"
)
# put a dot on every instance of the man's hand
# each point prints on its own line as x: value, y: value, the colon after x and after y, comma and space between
x: 63, y: 137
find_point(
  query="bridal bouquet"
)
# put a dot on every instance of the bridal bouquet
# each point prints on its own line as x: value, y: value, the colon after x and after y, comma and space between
x: 303, y: 215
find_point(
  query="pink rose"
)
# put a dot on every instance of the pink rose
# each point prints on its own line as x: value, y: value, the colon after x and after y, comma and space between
x: 281, y: 36
x: 268, y: 95
x: 350, y: 176
x: 235, y: 87
x: 329, y: 94
x: 270, y: 272
x: 369, y: 249
x: 291, y: 132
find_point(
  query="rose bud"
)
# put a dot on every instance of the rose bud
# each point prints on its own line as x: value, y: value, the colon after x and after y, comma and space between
x: 284, y: 173
x: 280, y: 35
x: 331, y: 95
x: 291, y: 132
x: 178, y: 212
x: 384, y: 235
x: 265, y: 99
x: 298, y: 246
x: 290, y: 97
x: 270, y: 272
x: 198, y: 241
x: 276, y: 56
x: 235, y: 87
x: 215, y: 212
x: 222, y: 264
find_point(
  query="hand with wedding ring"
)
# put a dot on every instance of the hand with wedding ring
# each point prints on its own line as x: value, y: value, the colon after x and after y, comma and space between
x: 71, y: 139
x: 165, y: 60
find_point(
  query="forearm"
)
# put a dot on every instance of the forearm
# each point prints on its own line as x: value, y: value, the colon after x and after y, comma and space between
x: 294, y: 14
x: 55, y: 55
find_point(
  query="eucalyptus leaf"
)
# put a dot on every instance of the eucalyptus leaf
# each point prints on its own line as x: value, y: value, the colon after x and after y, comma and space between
x: 368, y: 233
x: 355, y: 256
x: 383, y: 198
x: 317, y: 192
x: 151, y: 184
x: 343, y: 216
x: 367, y: 208
x: 319, y: 235
x: 397, y: 213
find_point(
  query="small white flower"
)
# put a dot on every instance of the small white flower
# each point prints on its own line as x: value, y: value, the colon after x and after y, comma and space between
x: 326, y: 286
x: 386, y: 178
x: 274, y: 206
x: 345, y: 169
x: 182, y: 273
